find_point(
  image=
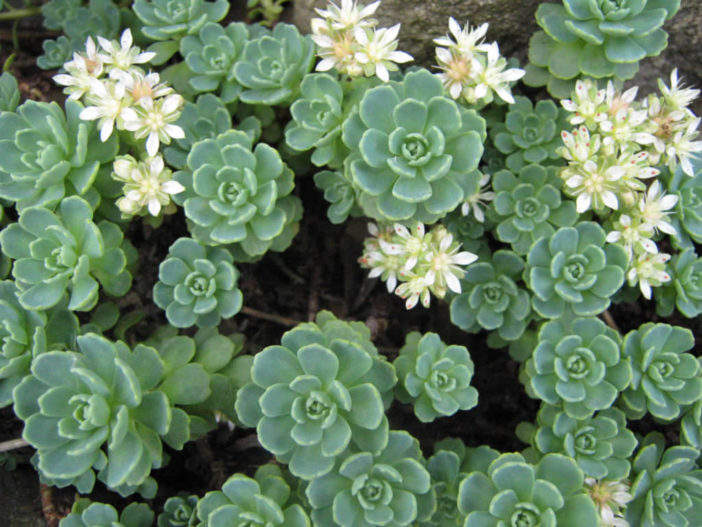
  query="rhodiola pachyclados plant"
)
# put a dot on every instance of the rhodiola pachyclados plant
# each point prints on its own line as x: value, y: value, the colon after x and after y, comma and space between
x: 179, y: 511
x: 325, y: 387
x: 92, y: 514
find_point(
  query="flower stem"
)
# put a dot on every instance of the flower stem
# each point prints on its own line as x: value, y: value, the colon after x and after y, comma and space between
x: 283, y: 321
x: 12, y: 444
x: 20, y: 13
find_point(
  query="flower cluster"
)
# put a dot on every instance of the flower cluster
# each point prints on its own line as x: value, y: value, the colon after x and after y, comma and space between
x: 425, y: 262
x: 612, y: 157
x: 349, y: 41
x: 119, y: 94
x: 472, y: 70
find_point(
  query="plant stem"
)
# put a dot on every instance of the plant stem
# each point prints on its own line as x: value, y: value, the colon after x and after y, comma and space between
x: 283, y: 321
x: 20, y: 13
x: 609, y: 319
x: 12, y: 444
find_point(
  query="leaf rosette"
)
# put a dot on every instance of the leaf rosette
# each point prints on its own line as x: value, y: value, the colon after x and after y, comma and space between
x: 684, y: 291
x: 414, y: 151
x: 324, y: 388
x: 173, y: 19
x: 197, y: 285
x: 89, y: 514
x: 179, y: 511
x: 65, y: 253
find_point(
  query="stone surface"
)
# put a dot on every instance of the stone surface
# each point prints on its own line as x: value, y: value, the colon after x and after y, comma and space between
x: 20, y: 505
x: 512, y: 23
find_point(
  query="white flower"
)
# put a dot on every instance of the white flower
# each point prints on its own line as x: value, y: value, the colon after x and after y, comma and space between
x: 413, y: 244
x: 377, y: 52
x: 81, y: 71
x: 653, y: 208
x: 121, y: 55
x: 138, y: 85
x: 146, y: 184
x: 382, y: 257
x: 578, y: 146
x: 445, y: 264
x: 479, y: 199
x: 611, y: 499
x: 586, y: 103
x: 457, y: 74
x: 634, y: 236
x: 413, y: 290
x: 594, y: 186
x: 648, y: 270
x: 153, y: 120
x: 349, y: 16
x: 468, y: 40
x: 492, y: 75
x: 107, y: 101
x: 678, y: 98
x: 338, y: 52
x: 682, y: 147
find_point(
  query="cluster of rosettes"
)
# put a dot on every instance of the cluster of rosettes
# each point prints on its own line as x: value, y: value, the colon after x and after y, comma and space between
x: 120, y: 94
x: 613, y: 153
x: 472, y: 70
x: 424, y: 262
x: 348, y: 40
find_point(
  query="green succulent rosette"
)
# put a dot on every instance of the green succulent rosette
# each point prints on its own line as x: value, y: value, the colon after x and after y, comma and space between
x: 65, y: 253
x: 9, y: 92
x: 340, y: 193
x: 514, y: 492
x: 491, y: 298
x: 434, y: 377
x: 206, y: 118
x: 174, y: 19
x: 74, y: 403
x: 528, y: 206
x: 91, y: 514
x: 317, y: 116
x: 578, y: 366
x: 573, y: 271
x: 211, y: 54
x: 197, y: 285
x: 266, y: 499
x: 595, y: 38
x: 601, y: 445
x: 665, y: 377
x: 667, y: 485
x: 391, y: 488
x: 179, y: 511
x: 684, y: 291
x: 273, y: 65
x: 530, y: 134
x: 56, y: 53
x: 688, y: 220
x: 48, y: 155
x: 237, y: 194
x: 414, y: 151
x: 324, y: 388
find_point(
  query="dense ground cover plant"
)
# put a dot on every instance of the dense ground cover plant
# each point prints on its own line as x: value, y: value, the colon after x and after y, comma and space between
x: 529, y: 222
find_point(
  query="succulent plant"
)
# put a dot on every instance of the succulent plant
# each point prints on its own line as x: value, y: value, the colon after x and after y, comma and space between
x: 601, y: 445
x: 73, y: 403
x: 684, y: 291
x: 325, y: 387
x: 272, y: 66
x: 317, y: 116
x: 197, y: 285
x: 688, y: 220
x: 211, y: 54
x: 9, y: 92
x: 58, y: 12
x: 91, y: 514
x: 529, y: 206
x: 573, y: 271
x: 49, y: 155
x: 514, y: 492
x: 491, y: 298
x: 179, y: 511
x: 414, y: 151
x: 391, y: 488
x: 530, y: 134
x: 434, y: 377
x: 56, y: 53
x: 340, y: 193
x: 265, y: 499
x: 691, y: 426
x: 596, y: 38
x: 237, y: 194
x: 665, y: 377
x: 174, y: 19
x: 65, y: 253
x: 578, y: 365
x: 206, y: 118
x: 667, y: 485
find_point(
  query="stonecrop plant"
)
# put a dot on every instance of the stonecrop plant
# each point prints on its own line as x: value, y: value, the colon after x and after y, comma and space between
x: 149, y: 250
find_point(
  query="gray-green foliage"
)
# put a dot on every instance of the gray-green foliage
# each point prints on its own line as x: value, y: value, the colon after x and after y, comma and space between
x: 434, y: 377
x: 324, y: 388
x: 9, y: 92
x: 684, y: 291
x: 179, y: 511
x: 49, y: 154
x: 90, y: 514
x: 65, y: 253
x: 197, y: 285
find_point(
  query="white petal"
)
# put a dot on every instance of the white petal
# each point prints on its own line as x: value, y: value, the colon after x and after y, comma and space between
x: 154, y: 207
x: 464, y: 258
x: 152, y: 144
x: 583, y: 202
x: 175, y: 131
x: 172, y: 187
x: 453, y: 283
x: 106, y: 130
x: 610, y: 199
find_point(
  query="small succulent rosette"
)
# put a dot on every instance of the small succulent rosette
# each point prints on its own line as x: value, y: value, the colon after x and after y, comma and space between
x: 324, y: 388
x: 577, y: 365
x: 266, y: 499
x: 667, y: 485
x: 514, y: 492
x: 434, y: 377
x: 684, y: 291
x: 174, y: 19
x: 573, y: 271
x: 86, y: 513
x: 414, y: 151
x: 179, y: 511
x: 389, y: 488
x: 666, y: 378
x: 197, y: 285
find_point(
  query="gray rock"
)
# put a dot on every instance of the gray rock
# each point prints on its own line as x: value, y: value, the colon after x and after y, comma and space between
x: 512, y: 23
x: 20, y: 505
